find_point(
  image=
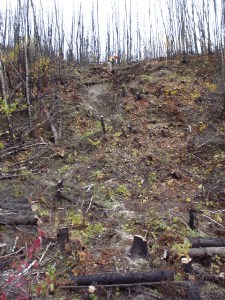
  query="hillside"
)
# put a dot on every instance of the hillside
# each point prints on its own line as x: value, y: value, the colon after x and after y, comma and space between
x: 110, y: 156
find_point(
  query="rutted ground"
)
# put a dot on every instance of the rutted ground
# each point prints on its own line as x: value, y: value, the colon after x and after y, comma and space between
x: 161, y: 153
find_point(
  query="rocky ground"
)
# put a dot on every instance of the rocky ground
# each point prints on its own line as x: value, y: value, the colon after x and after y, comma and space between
x: 162, y: 154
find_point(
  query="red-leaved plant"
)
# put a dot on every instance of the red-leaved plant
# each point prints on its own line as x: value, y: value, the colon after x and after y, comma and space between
x: 17, y: 280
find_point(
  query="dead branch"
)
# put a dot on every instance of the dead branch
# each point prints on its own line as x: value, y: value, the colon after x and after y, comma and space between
x: 15, y: 90
x: 16, y: 148
x: 13, y: 253
x: 6, y: 176
x: 40, y: 260
x: 52, y: 125
x: 217, y: 223
x: 35, y: 157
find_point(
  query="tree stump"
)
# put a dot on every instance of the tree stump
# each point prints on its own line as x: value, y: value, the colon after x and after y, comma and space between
x: 139, y: 247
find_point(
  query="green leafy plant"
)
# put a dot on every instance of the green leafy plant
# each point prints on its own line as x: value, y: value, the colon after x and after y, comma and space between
x: 88, y: 231
x: 170, y: 92
x: 182, y: 248
x: 109, y: 198
x: 156, y: 225
x: 64, y: 169
x: 212, y: 87
x: 48, y: 284
x: 95, y: 143
x: 8, y: 108
x: 75, y: 219
x: 152, y: 177
x: 196, y: 96
x: 93, y: 297
x: 98, y: 174
x: 122, y: 190
x: 147, y: 78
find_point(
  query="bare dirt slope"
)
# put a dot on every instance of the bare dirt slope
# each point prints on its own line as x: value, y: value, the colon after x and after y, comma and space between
x: 162, y: 155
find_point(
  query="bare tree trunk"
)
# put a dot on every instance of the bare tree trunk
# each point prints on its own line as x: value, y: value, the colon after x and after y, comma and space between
x: 51, y: 123
x: 4, y: 100
x: 222, y: 51
x: 26, y: 42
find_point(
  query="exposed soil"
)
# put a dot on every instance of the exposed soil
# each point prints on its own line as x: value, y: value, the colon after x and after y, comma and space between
x: 162, y: 155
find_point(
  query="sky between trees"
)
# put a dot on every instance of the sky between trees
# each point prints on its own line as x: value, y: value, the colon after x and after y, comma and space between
x: 134, y: 28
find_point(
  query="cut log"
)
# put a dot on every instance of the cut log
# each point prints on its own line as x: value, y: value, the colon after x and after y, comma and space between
x: 18, y: 220
x: 14, y: 206
x: 139, y: 247
x: 200, y: 252
x: 202, y: 275
x: 207, y: 242
x: 111, y: 278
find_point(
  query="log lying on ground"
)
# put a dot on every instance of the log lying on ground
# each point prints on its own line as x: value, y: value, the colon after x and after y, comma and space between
x: 15, y: 206
x: 18, y: 220
x: 207, y: 242
x: 202, y: 275
x: 200, y: 252
x: 111, y: 278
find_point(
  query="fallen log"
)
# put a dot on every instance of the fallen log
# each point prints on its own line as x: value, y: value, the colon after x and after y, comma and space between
x: 18, y: 220
x: 11, y: 150
x: 207, y: 242
x: 202, y: 275
x: 198, y: 252
x: 15, y: 206
x: 201, y: 252
x: 111, y: 278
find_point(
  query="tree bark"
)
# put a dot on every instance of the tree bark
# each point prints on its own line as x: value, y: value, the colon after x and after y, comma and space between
x: 52, y: 125
x: 202, y: 275
x: 27, y: 84
x: 139, y: 247
x: 207, y: 242
x: 5, y: 101
x: 201, y: 252
x: 111, y: 278
x: 17, y: 220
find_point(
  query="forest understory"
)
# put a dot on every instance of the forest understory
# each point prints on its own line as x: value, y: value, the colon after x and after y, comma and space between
x: 138, y: 151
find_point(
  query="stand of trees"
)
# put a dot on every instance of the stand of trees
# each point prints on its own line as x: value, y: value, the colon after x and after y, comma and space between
x: 34, y: 43
x: 160, y: 28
